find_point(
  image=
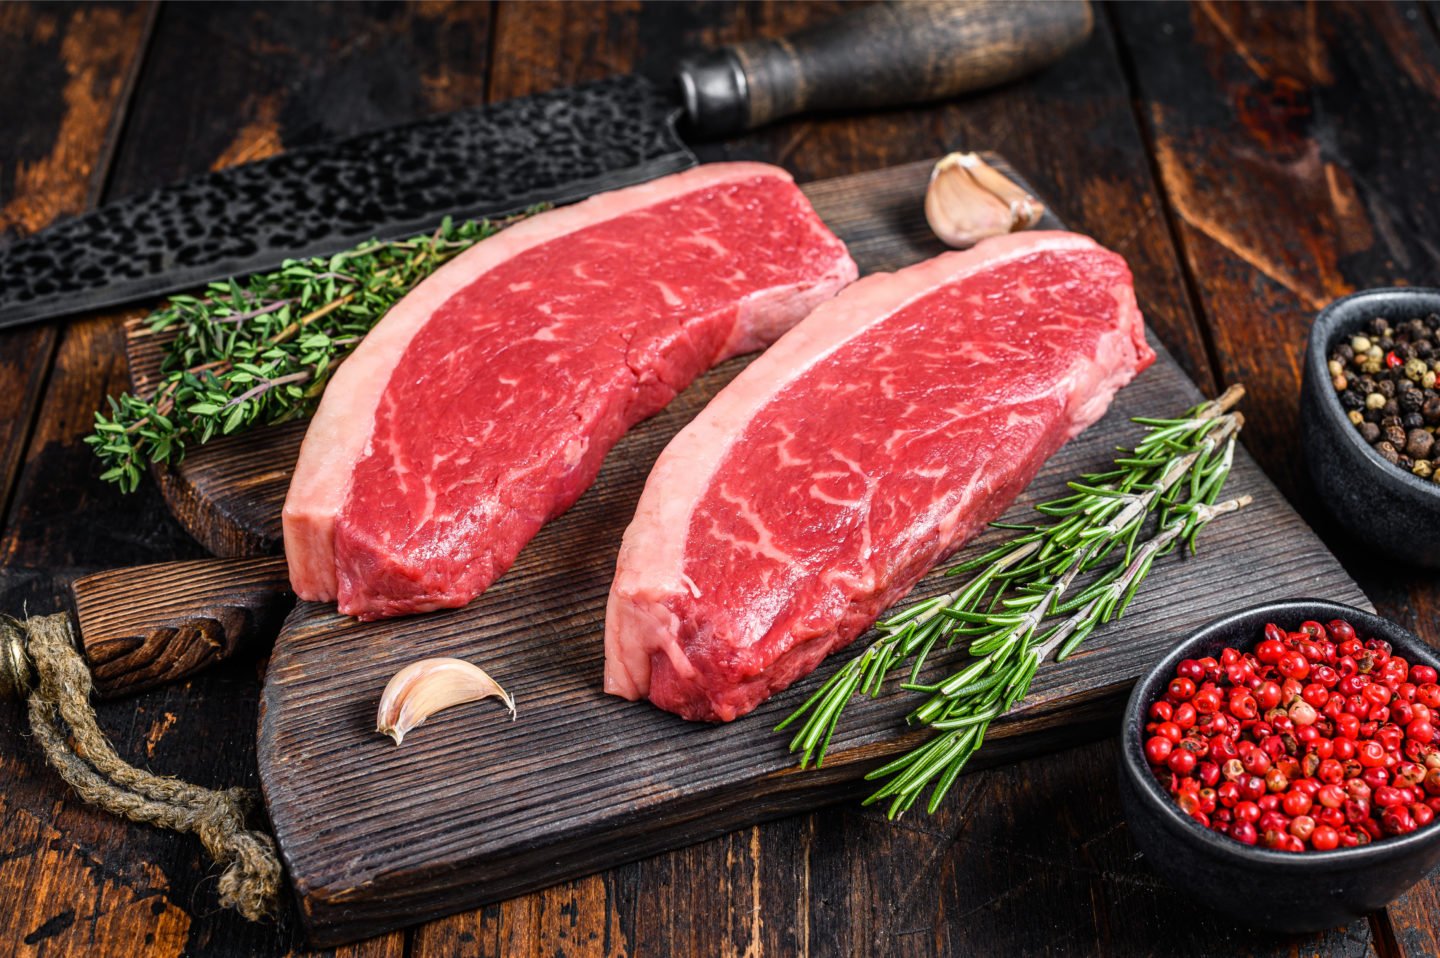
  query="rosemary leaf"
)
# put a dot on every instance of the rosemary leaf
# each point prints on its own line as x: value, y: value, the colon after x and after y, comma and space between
x: 955, y: 712
x: 1176, y: 472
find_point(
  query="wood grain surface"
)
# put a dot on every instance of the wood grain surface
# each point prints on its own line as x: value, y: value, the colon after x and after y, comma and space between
x: 151, y: 625
x: 475, y: 809
x: 1283, y: 109
x: 1026, y: 859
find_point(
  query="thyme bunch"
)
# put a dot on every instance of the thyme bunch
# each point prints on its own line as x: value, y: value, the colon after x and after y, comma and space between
x: 260, y: 350
x: 1004, y: 612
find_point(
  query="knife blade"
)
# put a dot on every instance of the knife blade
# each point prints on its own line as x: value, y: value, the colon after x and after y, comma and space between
x: 555, y: 147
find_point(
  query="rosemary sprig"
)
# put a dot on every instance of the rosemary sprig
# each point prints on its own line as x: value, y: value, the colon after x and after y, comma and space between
x: 261, y: 350
x: 962, y: 707
x: 1187, y: 458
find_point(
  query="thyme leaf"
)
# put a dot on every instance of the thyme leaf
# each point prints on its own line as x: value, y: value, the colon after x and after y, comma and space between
x: 260, y: 350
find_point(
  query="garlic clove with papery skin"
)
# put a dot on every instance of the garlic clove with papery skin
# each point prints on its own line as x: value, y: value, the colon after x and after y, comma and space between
x: 421, y: 689
x: 1026, y: 208
x: 968, y: 200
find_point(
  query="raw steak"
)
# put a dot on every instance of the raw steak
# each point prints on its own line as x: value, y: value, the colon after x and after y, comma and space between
x: 482, y: 405
x: 871, y: 441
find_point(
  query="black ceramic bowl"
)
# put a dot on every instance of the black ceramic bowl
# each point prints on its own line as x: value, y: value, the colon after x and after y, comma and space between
x: 1382, y: 505
x: 1280, y: 891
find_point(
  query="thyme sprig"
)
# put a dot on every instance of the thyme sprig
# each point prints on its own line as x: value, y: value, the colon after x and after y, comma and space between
x: 260, y: 350
x: 1185, y: 459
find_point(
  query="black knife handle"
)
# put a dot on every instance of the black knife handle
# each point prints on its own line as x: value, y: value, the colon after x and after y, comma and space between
x: 885, y: 54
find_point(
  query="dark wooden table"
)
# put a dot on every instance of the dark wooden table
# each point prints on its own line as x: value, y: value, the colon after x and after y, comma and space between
x: 1252, y: 162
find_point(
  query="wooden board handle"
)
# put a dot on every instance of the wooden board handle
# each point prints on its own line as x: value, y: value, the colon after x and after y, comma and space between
x: 887, y: 54
x: 151, y: 625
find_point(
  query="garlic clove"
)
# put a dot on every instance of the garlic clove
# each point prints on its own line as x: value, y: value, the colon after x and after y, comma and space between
x: 968, y: 200
x: 421, y: 689
x: 1027, y: 209
x: 960, y: 210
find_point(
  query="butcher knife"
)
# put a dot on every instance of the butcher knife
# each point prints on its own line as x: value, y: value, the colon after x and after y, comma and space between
x: 554, y: 147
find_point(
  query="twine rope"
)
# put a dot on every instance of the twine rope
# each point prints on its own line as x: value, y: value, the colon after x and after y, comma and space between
x: 85, y: 759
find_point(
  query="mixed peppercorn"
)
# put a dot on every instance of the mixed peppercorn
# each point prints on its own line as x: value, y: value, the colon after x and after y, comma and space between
x: 1316, y: 740
x: 1386, y: 380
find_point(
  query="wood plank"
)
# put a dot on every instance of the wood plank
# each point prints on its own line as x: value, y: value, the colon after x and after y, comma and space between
x: 496, y: 808
x: 1051, y: 869
x: 278, y: 75
x: 1412, y: 920
x: 1278, y: 108
x: 270, y: 76
x: 1319, y: 116
x: 66, y: 71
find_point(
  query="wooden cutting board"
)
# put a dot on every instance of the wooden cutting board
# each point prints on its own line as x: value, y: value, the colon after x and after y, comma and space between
x: 475, y: 808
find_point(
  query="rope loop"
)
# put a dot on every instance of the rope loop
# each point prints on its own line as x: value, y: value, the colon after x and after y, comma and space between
x: 38, y: 657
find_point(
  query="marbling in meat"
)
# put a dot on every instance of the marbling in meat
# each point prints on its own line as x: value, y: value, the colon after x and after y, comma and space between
x: 482, y: 405
x: 871, y: 441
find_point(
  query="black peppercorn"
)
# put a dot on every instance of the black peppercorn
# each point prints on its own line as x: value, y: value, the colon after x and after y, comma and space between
x: 1388, y: 389
x: 1418, y: 443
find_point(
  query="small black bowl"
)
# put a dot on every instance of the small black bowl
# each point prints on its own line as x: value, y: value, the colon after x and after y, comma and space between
x: 1383, y: 506
x: 1279, y: 891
